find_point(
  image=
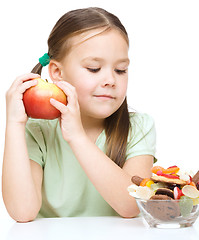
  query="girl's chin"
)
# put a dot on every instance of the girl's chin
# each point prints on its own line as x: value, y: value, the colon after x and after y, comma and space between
x: 100, y: 112
x: 103, y: 114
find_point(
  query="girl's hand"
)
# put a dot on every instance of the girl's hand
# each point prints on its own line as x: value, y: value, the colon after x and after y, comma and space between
x: 70, y: 120
x: 15, y: 111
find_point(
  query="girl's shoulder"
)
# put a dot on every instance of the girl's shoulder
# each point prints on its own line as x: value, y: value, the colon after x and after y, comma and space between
x: 141, y: 124
x: 142, y: 135
x: 143, y: 120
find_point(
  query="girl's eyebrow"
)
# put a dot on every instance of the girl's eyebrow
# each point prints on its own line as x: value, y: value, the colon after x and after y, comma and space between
x: 90, y: 58
x: 97, y: 59
x: 123, y: 60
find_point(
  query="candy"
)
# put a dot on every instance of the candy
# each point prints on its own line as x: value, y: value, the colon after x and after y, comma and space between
x: 163, y: 207
x: 158, y: 185
x: 177, y: 185
x: 173, y: 169
x: 155, y: 169
x: 177, y: 193
x: 184, y: 177
x: 144, y: 181
x: 192, y: 184
x: 144, y: 192
x: 170, y: 176
x: 190, y: 191
x: 157, y: 178
x: 160, y: 173
x: 195, y: 201
x: 186, y: 205
x: 196, y: 177
x: 165, y: 191
x: 169, y: 170
x: 137, y: 180
x: 149, y: 183
x: 132, y: 188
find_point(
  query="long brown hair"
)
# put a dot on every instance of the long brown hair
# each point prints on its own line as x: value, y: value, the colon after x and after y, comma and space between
x: 73, y: 23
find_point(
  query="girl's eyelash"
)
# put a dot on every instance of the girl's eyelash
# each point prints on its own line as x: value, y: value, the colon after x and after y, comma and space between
x: 120, y: 71
x: 93, y: 70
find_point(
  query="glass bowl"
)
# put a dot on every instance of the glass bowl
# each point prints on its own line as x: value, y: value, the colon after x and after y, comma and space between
x: 169, y: 213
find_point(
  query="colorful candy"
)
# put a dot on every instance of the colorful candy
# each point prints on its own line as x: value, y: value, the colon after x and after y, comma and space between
x: 186, y: 205
x: 144, y: 181
x: 174, y: 189
x: 169, y: 170
x: 177, y: 192
x: 144, y: 192
x: 190, y: 191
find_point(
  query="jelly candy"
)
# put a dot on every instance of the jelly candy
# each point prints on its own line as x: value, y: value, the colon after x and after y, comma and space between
x: 144, y: 192
x: 149, y: 183
x: 158, y: 185
x: 144, y: 181
x: 155, y: 169
x: 186, y: 206
x: 195, y: 201
x: 190, y: 191
x: 173, y: 169
x: 177, y: 193
x: 132, y: 188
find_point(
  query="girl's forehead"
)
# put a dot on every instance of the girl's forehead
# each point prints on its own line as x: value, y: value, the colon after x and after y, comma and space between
x: 90, y: 34
x: 84, y: 36
x: 102, y: 43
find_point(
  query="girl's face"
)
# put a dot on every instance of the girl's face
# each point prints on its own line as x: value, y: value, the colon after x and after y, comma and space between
x: 97, y: 67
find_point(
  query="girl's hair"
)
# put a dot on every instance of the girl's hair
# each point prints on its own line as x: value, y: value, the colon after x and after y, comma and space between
x: 74, y: 23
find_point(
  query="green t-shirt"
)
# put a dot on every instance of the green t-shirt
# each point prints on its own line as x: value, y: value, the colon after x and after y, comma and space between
x: 66, y: 189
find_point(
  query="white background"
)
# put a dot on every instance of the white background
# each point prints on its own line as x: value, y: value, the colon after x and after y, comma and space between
x: 164, y: 70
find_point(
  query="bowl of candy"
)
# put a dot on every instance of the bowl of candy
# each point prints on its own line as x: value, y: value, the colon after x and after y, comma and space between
x: 169, y: 199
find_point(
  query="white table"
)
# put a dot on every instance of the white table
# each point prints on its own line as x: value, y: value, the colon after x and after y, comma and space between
x: 95, y: 228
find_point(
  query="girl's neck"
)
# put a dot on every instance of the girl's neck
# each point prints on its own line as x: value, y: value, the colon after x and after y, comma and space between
x: 93, y: 127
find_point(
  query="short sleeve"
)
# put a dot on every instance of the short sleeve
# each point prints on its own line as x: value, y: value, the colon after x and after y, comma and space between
x: 142, y: 136
x: 35, y: 142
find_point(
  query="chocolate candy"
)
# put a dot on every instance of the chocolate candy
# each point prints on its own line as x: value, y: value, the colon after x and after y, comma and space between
x: 165, y: 191
x: 163, y: 210
x: 136, y: 180
x: 195, y: 178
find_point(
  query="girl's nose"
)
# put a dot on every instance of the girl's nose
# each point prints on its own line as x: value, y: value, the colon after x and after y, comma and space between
x: 109, y: 79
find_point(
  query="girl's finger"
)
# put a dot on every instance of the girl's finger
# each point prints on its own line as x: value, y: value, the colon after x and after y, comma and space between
x: 60, y: 106
x: 19, y: 80
x: 67, y: 84
x: 70, y: 92
x: 24, y: 86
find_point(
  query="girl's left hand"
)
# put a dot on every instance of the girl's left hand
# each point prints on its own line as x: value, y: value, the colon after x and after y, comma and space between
x: 70, y: 120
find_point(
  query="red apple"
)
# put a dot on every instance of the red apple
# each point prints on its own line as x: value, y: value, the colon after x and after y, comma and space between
x: 37, y: 100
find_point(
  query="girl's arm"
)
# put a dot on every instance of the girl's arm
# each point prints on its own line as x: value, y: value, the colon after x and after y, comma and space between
x: 21, y: 178
x: 109, y: 179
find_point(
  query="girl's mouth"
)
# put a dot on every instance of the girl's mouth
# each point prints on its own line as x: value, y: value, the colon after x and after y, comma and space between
x: 104, y: 96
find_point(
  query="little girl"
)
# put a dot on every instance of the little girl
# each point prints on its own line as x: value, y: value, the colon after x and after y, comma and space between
x: 82, y: 163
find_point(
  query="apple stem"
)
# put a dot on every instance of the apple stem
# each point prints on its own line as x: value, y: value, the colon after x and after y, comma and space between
x: 46, y: 80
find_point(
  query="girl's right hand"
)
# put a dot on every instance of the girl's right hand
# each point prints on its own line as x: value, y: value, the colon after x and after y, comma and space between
x: 15, y: 111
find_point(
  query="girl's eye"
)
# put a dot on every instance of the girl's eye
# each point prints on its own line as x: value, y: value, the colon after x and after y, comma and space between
x: 93, y: 70
x: 120, y: 71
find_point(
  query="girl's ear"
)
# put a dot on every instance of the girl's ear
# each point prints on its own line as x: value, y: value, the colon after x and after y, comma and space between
x: 55, y: 71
